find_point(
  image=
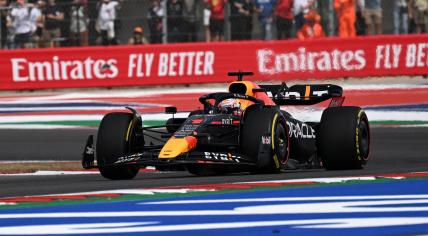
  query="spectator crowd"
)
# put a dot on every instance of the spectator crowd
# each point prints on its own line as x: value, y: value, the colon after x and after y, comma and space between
x: 41, y: 23
x: 53, y: 23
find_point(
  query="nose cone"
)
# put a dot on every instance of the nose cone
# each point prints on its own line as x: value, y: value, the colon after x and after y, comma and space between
x: 177, y: 146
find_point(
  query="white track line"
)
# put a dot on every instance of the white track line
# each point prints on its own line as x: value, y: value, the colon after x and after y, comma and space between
x: 47, y: 173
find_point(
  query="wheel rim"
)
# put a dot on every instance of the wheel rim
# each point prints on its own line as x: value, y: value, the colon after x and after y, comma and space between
x: 281, y: 141
x: 364, y: 138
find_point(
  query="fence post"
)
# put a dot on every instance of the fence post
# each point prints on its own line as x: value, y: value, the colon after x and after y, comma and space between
x: 331, y: 26
x: 165, y: 21
x: 227, y: 29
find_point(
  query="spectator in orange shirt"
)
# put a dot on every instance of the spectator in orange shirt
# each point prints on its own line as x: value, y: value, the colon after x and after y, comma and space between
x: 312, y: 27
x: 345, y: 11
x: 138, y: 37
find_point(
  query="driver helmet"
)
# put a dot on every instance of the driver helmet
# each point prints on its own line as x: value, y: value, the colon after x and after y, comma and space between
x: 231, y: 105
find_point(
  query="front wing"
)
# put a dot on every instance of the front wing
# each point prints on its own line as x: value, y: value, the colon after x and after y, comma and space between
x: 150, y: 158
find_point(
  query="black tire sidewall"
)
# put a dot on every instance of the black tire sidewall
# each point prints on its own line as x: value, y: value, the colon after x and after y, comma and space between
x: 113, y: 142
x: 338, y: 144
x: 280, y: 121
x: 258, y: 122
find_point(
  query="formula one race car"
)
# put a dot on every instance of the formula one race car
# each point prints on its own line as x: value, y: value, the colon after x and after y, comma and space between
x: 242, y: 130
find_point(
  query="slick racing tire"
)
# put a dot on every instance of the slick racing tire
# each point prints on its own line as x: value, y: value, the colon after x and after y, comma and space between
x: 344, y: 138
x: 113, y: 142
x: 265, y: 139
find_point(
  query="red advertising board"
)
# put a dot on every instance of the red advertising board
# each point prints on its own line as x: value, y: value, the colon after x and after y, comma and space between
x: 191, y: 63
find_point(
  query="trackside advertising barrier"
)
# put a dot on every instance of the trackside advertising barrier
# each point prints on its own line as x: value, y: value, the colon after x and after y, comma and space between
x: 192, y: 63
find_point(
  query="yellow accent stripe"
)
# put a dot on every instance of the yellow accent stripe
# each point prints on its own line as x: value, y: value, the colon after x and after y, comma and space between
x: 129, y: 130
x: 275, y: 158
x: 307, y: 92
x: 273, y: 131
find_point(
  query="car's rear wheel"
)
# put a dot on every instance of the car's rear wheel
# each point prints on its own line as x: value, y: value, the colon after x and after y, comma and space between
x: 344, y: 138
x: 113, y: 140
x: 264, y: 138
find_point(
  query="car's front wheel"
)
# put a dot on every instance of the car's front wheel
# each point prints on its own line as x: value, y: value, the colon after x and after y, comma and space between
x: 113, y: 140
x: 265, y: 139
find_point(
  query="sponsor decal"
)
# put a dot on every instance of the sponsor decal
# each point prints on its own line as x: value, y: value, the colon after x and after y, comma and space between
x: 186, y: 63
x: 90, y: 150
x: 272, y: 62
x: 227, y: 121
x: 237, y: 95
x: 24, y: 70
x: 186, y: 129
x: 130, y: 158
x: 139, y: 65
x: 266, y: 140
x: 336, y: 101
x: 221, y: 156
x: 197, y: 121
x: 297, y: 95
x: 300, y: 130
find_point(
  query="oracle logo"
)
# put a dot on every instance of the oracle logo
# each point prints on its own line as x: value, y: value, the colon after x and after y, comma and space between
x: 24, y: 70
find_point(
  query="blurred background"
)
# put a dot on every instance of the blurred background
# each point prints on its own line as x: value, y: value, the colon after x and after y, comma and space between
x: 62, y: 23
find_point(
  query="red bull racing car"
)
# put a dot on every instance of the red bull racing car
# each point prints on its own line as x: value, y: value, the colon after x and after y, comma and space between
x: 241, y: 130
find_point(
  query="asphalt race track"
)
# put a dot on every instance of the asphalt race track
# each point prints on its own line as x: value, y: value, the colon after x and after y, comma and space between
x: 394, y: 150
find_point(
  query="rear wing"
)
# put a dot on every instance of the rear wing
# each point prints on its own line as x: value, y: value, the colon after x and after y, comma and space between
x: 303, y: 94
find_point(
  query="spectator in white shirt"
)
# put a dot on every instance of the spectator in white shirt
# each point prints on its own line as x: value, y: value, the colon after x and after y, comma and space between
x: 3, y: 23
x: 106, y: 19
x: 79, y: 24
x: 20, y: 17
x: 36, y: 22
